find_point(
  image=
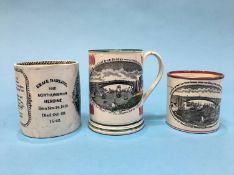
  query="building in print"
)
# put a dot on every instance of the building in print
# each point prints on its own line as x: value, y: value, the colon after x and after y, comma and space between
x: 195, y: 105
x: 117, y: 85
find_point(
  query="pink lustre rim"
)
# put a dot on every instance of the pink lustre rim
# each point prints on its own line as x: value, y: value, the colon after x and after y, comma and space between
x: 216, y: 77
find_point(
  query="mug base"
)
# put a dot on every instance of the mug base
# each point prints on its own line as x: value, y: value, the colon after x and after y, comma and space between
x: 116, y: 129
x: 193, y: 132
x: 51, y: 135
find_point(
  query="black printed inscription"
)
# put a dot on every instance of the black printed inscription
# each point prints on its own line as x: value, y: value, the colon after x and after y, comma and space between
x: 23, y: 97
x: 52, y: 106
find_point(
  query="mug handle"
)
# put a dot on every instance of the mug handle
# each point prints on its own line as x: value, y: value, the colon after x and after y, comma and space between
x: 159, y: 76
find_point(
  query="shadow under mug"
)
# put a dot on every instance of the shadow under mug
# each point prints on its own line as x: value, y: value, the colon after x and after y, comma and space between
x: 48, y: 94
x: 116, y: 90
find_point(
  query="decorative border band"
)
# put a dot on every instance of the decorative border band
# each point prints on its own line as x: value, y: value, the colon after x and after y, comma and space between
x: 29, y: 98
x: 217, y: 75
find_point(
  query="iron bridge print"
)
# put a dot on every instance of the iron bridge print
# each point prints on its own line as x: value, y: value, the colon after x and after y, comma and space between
x: 196, y: 105
x: 117, y: 85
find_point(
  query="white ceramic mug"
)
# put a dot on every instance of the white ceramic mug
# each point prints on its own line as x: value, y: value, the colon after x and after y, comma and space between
x: 194, y: 99
x: 48, y: 94
x: 116, y: 90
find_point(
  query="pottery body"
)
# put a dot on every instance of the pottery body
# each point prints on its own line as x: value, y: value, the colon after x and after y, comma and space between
x: 48, y: 94
x: 116, y: 91
x: 194, y: 99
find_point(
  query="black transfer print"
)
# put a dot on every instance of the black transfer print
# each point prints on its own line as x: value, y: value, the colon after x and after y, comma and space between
x: 116, y: 86
x: 196, y: 105
x: 76, y: 94
x: 23, y: 91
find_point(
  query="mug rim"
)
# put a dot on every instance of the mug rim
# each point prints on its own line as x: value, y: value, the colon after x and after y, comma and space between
x: 46, y: 63
x: 116, y: 50
x: 218, y: 75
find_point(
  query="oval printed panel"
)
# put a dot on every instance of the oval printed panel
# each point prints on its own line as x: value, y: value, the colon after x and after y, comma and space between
x: 196, y: 104
x: 23, y: 97
x: 116, y: 86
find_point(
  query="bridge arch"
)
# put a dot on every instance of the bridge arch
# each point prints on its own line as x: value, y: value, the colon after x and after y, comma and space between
x: 215, y: 101
x: 106, y: 83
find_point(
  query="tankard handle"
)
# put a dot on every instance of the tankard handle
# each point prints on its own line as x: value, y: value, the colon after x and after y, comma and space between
x: 159, y: 75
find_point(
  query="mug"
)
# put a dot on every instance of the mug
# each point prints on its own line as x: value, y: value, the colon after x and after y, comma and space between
x: 48, y: 94
x: 116, y: 90
x: 194, y: 99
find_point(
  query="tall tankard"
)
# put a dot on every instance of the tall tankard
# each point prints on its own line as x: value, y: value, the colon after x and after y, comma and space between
x: 116, y: 90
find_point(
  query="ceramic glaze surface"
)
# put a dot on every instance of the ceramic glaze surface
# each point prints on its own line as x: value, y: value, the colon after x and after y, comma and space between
x: 116, y: 91
x: 48, y: 96
x: 194, y: 105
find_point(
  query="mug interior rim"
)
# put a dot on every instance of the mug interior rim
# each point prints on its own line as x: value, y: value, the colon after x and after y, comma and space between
x: 46, y: 63
x: 215, y: 75
x: 116, y: 50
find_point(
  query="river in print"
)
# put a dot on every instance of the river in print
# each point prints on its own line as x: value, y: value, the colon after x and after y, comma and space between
x: 116, y: 86
x: 196, y: 104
